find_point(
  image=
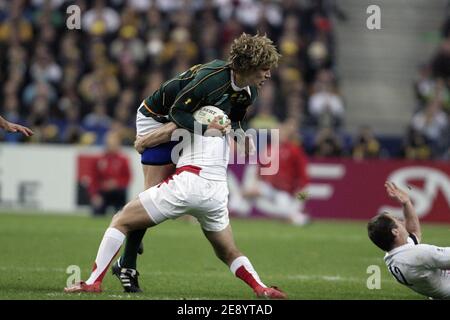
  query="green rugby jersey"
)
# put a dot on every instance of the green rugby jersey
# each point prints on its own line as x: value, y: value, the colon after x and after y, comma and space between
x: 201, y: 85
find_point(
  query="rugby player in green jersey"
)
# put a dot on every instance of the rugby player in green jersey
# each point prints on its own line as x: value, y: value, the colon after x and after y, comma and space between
x: 229, y: 85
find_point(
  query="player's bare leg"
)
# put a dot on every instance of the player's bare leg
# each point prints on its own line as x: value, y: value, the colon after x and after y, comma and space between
x: 132, y: 217
x: 125, y: 267
x: 226, y: 250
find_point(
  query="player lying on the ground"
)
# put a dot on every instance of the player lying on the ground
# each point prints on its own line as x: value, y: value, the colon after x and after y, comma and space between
x: 198, y: 188
x: 13, y: 127
x: 421, y: 267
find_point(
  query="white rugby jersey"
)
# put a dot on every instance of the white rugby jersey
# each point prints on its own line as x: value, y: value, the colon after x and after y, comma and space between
x: 211, y: 154
x: 421, y: 267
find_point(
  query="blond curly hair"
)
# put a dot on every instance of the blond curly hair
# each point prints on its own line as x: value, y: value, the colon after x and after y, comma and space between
x: 249, y: 53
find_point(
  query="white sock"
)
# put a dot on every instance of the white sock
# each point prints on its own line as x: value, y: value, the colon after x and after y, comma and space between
x: 249, y: 272
x: 110, y: 245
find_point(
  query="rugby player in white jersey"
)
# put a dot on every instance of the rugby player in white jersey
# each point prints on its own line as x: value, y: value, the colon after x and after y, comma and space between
x: 198, y: 188
x: 421, y: 267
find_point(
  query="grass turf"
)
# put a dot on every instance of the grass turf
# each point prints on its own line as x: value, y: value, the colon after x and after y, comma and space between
x: 325, y: 260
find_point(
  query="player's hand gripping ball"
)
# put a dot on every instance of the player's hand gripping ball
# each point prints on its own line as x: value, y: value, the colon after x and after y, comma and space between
x: 206, y: 114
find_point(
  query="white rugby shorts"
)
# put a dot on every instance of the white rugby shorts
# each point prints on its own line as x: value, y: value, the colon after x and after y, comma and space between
x: 185, y: 192
x: 145, y: 124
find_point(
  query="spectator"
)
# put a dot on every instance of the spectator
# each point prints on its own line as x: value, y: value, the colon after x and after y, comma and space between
x: 100, y: 85
x: 39, y: 89
x: 424, y: 85
x: 101, y: 20
x: 17, y: 26
x: 97, y: 121
x: 42, y: 121
x: 366, y: 145
x: 120, y: 39
x: 326, y: 106
x: 72, y: 131
x: 128, y: 48
x: 416, y: 147
x: 327, y: 143
x: 433, y: 124
x: 44, y: 68
x: 440, y: 63
x: 111, y: 177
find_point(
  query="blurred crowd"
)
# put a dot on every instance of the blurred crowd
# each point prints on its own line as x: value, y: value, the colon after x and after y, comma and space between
x: 429, y: 131
x: 72, y: 86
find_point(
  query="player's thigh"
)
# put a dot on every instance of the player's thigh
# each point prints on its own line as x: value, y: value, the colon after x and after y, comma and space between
x: 132, y: 217
x: 167, y: 200
x: 154, y: 174
x: 211, y: 204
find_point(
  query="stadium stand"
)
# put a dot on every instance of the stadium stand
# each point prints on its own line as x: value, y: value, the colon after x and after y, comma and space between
x: 72, y: 86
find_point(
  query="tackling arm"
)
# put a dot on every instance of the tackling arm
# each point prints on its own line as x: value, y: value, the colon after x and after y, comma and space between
x: 164, y: 134
x: 195, y: 95
x: 154, y: 138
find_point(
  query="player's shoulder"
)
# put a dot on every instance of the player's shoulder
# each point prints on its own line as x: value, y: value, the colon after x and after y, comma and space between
x: 431, y: 248
x: 424, y: 252
x: 216, y: 64
x: 217, y: 69
x: 213, y: 75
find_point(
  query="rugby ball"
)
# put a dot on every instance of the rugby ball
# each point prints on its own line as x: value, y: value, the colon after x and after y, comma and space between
x: 206, y: 114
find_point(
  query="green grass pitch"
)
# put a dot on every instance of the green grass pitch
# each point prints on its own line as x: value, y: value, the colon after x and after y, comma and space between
x: 325, y: 260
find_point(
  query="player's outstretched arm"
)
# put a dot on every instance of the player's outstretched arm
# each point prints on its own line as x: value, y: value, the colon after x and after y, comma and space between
x: 158, y: 136
x: 412, y: 223
x: 13, y: 127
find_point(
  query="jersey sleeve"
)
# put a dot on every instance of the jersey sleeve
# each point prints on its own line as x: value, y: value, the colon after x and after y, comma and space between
x: 441, y: 257
x: 412, y: 239
x: 437, y: 257
x: 187, y: 100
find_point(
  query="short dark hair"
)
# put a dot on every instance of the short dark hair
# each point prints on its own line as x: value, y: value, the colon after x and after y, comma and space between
x: 380, y: 228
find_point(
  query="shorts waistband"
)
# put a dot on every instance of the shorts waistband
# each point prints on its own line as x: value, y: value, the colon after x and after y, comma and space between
x: 193, y: 169
x: 189, y: 168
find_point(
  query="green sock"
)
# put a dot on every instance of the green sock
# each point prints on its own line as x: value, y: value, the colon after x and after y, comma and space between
x: 129, y: 256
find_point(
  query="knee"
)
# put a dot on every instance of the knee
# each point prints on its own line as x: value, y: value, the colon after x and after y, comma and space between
x: 119, y: 221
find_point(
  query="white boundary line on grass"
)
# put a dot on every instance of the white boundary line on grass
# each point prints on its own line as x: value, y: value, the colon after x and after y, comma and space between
x: 301, y: 277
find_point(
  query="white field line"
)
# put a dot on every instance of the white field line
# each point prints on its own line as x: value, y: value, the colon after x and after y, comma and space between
x: 122, y: 296
x: 301, y: 277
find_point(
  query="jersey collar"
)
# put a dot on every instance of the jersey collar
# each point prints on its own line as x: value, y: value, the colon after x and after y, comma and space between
x: 236, y: 88
x: 398, y: 249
